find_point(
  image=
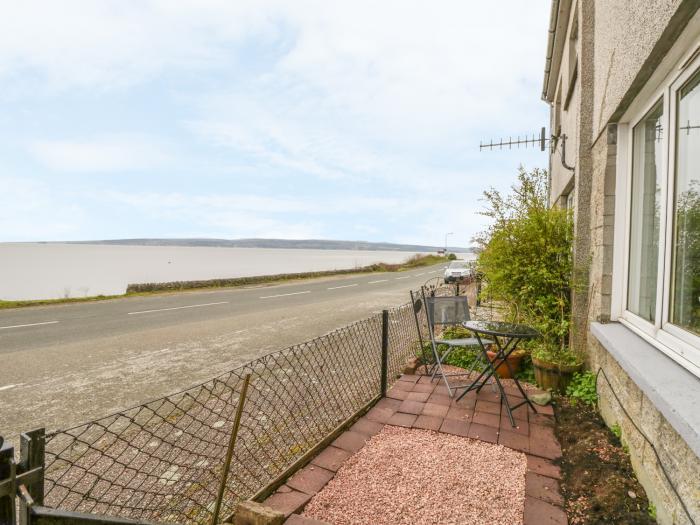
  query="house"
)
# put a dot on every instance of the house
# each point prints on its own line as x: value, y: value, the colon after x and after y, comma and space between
x: 622, y: 78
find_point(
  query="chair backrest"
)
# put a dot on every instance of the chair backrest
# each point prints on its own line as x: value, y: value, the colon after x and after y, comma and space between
x: 447, y: 310
x: 417, y: 304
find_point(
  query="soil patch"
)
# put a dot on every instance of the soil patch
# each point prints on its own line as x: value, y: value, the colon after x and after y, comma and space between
x: 599, y: 485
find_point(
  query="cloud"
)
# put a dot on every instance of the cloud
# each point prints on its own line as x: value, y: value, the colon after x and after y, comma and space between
x: 30, y: 210
x: 274, y: 118
x: 107, y: 154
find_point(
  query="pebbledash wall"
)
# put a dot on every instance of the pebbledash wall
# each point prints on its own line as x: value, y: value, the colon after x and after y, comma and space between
x: 606, y: 61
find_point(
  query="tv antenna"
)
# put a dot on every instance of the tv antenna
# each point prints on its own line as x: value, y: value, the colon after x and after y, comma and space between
x: 532, y: 141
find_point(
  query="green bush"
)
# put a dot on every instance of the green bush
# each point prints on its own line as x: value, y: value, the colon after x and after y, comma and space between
x: 583, y: 388
x: 451, y: 257
x: 464, y: 358
x: 526, y: 259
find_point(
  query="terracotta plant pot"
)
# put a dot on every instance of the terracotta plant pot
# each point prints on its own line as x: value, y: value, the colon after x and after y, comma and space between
x: 513, y: 360
x: 550, y: 376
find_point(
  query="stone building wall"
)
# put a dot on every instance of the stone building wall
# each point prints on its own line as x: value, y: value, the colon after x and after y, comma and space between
x: 647, y: 433
x: 621, y: 43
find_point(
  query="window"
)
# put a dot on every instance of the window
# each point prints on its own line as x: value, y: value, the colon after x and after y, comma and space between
x: 685, y: 280
x: 658, y: 218
x: 645, y: 214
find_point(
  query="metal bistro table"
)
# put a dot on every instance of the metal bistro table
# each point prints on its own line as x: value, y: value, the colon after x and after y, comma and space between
x: 511, y: 334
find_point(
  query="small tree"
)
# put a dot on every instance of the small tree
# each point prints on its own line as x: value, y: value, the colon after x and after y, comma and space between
x: 526, y: 259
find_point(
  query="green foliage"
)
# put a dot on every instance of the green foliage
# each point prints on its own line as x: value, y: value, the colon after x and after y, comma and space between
x: 651, y: 509
x: 526, y: 259
x: 616, y: 430
x: 451, y: 257
x: 456, y: 332
x: 526, y: 372
x: 554, y: 354
x: 464, y: 358
x: 583, y: 388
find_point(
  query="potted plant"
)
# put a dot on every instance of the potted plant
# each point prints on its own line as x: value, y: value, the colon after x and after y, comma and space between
x: 514, y: 360
x: 526, y: 259
x: 554, y: 368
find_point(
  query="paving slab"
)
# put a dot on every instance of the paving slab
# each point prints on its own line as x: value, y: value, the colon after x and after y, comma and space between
x: 287, y: 502
x: 367, y: 426
x: 538, y: 512
x: 310, y: 479
x: 402, y: 420
x: 428, y: 422
x: 411, y: 407
x: 331, y: 458
x: 543, y: 467
x: 351, y: 441
x: 543, y: 488
x: 435, y: 409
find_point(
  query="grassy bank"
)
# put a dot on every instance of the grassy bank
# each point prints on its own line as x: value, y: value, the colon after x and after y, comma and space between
x: 416, y: 261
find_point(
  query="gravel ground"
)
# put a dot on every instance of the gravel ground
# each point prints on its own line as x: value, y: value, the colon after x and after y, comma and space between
x: 405, y: 476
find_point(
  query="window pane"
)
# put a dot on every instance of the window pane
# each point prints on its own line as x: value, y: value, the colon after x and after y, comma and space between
x: 644, y: 223
x: 685, y: 284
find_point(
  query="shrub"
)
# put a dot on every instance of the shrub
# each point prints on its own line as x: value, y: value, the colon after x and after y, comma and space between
x: 526, y: 259
x: 583, y: 388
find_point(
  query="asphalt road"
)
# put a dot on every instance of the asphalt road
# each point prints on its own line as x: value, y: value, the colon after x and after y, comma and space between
x: 64, y: 364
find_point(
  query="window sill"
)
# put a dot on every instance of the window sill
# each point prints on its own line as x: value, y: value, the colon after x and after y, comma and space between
x: 673, y: 390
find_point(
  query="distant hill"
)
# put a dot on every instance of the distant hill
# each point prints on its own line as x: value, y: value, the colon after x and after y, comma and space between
x: 305, y: 244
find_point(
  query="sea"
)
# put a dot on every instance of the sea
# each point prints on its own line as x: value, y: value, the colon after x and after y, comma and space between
x: 31, y: 271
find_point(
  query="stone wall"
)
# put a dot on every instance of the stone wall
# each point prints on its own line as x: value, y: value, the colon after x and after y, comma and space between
x: 602, y: 213
x: 644, y: 430
x: 611, y: 79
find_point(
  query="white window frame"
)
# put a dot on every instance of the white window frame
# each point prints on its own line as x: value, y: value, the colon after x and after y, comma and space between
x: 679, y: 344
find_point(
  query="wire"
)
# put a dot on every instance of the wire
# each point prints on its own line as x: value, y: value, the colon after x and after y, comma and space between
x: 641, y: 433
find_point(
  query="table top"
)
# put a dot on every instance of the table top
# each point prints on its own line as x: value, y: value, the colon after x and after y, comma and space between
x: 502, y: 329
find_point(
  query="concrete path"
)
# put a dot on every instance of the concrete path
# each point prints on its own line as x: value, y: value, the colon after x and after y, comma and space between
x: 64, y: 364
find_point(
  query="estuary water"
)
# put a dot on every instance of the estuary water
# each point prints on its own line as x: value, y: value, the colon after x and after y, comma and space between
x: 53, y: 270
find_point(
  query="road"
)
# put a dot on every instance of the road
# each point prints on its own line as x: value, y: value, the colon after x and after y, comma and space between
x: 64, y: 364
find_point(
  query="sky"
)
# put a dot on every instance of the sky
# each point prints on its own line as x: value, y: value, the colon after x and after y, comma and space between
x: 295, y: 119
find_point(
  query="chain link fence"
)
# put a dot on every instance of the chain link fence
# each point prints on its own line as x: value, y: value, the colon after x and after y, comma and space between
x: 162, y: 460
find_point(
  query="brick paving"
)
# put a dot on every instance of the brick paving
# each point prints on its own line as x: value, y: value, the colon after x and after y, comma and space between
x: 416, y: 402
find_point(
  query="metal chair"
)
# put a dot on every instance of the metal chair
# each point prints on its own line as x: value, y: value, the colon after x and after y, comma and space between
x: 445, y: 312
x: 425, y: 355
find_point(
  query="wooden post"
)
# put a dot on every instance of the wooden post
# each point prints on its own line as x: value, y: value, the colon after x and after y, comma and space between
x: 385, y: 352
x: 229, y: 452
x: 7, y: 476
x: 32, y: 457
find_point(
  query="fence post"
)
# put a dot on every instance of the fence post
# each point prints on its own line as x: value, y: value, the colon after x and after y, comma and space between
x: 32, y: 457
x: 385, y: 351
x: 229, y: 452
x: 7, y: 486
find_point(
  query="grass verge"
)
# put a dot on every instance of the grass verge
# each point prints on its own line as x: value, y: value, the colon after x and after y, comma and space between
x: 417, y: 261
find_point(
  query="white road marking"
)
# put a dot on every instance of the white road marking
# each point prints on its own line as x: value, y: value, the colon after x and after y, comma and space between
x: 399, y: 278
x: 379, y: 281
x: 23, y: 325
x: 434, y: 271
x: 344, y: 286
x: 419, y: 274
x: 7, y: 387
x: 240, y: 331
x: 177, y: 308
x: 284, y: 294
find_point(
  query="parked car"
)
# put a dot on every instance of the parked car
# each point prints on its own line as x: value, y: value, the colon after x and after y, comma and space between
x: 458, y: 271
